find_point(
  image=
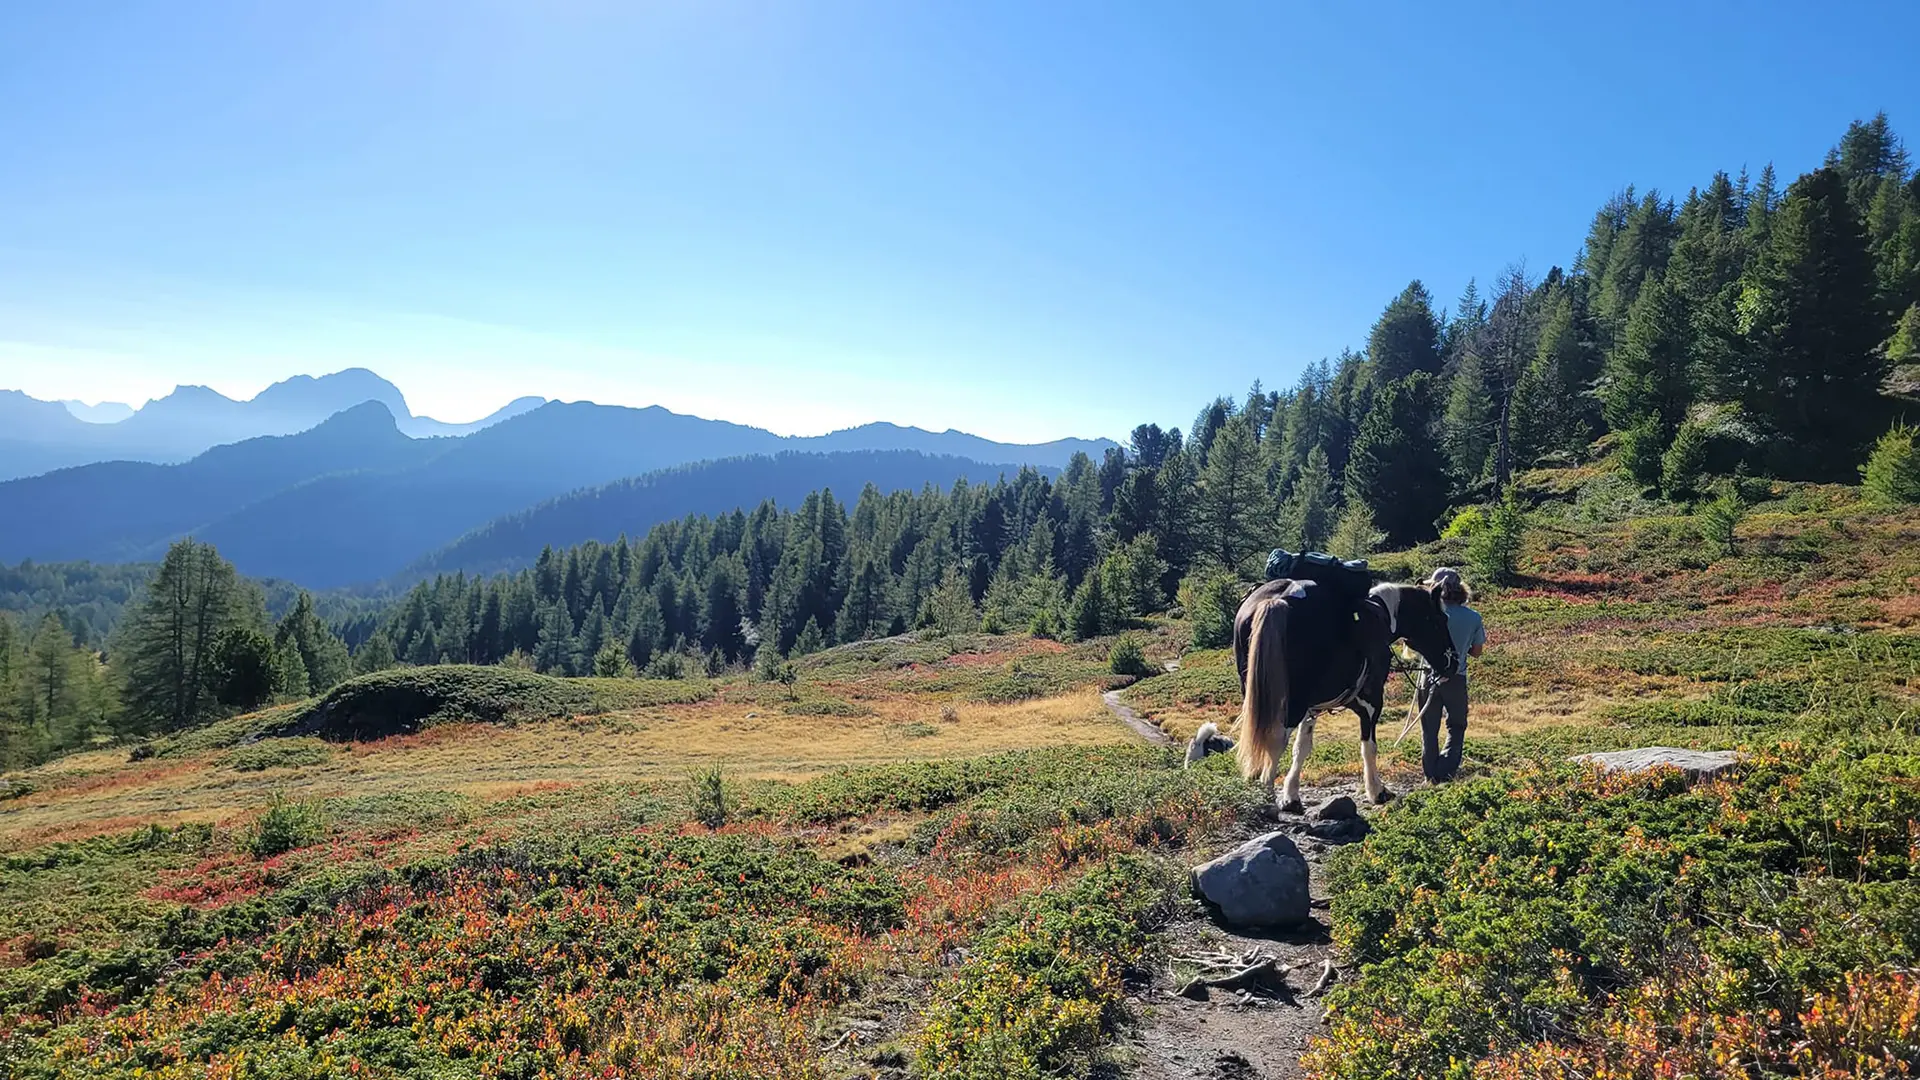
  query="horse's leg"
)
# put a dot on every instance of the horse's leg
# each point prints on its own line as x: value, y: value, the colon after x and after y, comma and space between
x: 1367, y: 707
x: 1302, y: 750
x: 1268, y: 779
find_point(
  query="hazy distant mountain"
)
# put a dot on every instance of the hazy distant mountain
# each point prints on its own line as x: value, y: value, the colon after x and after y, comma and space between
x: 115, y: 511
x: 356, y: 500
x: 107, y: 412
x: 192, y: 419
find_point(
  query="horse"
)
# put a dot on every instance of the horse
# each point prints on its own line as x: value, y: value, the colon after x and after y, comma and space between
x: 1303, y: 648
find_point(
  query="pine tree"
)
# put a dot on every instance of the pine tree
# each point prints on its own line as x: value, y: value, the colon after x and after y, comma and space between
x: 1397, y: 469
x: 950, y: 610
x: 1812, y: 323
x: 168, y: 643
x: 1406, y: 338
x: 1236, y: 510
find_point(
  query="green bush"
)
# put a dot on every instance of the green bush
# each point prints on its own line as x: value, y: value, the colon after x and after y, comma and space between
x: 1211, y: 601
x: 1892, y: 472
x: 1044, y: 987
x: 707, y: 796
x: 1465, y: 524
x: 283, y: 826
x: 1126, y: 658
x: 278, y: 754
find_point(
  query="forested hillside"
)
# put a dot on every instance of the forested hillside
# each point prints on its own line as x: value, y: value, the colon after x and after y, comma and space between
x: 632, y: 506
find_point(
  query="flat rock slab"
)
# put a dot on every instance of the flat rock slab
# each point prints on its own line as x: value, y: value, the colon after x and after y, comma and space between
x: 1260, y: 884
x: 1697, y: 764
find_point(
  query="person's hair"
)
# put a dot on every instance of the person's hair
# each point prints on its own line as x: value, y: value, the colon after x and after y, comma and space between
x: 1454, y: 593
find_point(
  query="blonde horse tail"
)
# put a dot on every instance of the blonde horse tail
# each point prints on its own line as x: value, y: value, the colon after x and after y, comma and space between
x: 1263, y: 706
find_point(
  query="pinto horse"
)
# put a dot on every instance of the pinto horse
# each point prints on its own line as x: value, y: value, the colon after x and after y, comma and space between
x: 1304, y: 648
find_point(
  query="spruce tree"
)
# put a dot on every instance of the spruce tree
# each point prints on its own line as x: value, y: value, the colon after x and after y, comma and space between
x: 1647, y: 377
x: 1397, y: 470
x: 1306, y: 520
x: 1812, y: 323
x: 1406, y: 338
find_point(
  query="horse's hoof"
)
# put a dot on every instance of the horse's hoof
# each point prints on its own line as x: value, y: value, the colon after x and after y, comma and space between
x: 1386, y: 796
x: 1294, y: 807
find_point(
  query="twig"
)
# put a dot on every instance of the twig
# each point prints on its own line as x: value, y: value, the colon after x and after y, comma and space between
x: 1265, y: 974
x: 1326, y: 979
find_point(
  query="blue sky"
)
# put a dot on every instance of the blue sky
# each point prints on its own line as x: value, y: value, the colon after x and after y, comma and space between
x: 1022, y: 219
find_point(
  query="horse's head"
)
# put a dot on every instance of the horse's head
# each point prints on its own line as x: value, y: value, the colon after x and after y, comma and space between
x: 1417, y: 616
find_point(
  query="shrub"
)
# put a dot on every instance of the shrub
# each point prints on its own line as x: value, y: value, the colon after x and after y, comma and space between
x: 1126, y: 658
x: 279, y: 754
x: 284, y: 826
x: 1892, y: 472
x: 1211, y: 601
x: 1043, y: 987
x: 1560, y: 912
x: 707, y: 796
x: 1494, y: 551
x: 1465, y: 524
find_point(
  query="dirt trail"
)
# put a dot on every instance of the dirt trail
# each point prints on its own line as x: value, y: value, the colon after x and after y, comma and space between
x: 1144, y: 728
x: 1234, y: 1035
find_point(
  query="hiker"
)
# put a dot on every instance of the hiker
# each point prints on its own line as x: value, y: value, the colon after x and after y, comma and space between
x: 1446, y: 691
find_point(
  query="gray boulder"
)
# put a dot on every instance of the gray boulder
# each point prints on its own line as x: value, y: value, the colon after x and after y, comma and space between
x: 1261, y: 883
x: 1338, y: 808
x: 1341, y: 830
x: 1697, y: 764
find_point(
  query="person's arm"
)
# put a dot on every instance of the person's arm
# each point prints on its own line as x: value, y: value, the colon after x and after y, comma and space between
x: 1479, y: 641
x: 1477, y: 650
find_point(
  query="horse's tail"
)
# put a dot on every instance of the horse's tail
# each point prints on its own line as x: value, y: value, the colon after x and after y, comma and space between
x: 1263, y: 706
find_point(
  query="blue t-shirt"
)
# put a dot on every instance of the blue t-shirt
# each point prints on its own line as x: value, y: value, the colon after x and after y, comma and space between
x: 1467, y: 629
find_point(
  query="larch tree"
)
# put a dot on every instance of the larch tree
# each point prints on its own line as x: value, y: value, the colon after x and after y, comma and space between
x: 1236, y: 510
x: 169, y: 642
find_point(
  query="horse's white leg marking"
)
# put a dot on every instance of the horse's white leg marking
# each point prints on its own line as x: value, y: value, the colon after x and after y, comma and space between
x: 1273, y: 768
x: 1302, y: 750
x: 1370, y: 770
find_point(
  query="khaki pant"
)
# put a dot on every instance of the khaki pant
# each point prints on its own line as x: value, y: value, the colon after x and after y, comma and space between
x: 1447, y: 696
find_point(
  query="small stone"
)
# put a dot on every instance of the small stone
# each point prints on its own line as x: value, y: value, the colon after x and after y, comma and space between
x: 1261, y: 883
x: 1338, y: 808
x: 1697, y: 764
